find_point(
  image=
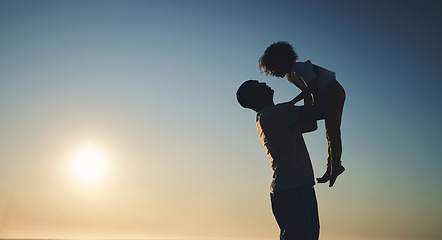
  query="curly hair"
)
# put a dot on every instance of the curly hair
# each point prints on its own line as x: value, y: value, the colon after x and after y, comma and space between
x: 276, y: 54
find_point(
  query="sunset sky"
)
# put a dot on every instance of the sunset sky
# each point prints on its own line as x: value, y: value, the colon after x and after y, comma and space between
x: 146, y: 89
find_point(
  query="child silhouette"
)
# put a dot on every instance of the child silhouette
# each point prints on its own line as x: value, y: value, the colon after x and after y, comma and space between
x: 279, y: 60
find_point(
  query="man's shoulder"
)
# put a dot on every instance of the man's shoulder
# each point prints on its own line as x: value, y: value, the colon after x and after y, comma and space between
x: 277, y: 108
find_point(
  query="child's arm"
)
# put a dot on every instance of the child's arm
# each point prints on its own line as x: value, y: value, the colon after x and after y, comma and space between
x: 303, y: 95
x: 306, y: 94
x: 307, y: 90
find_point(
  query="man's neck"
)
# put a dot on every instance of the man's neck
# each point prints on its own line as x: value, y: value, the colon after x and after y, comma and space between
x: 269, y: 104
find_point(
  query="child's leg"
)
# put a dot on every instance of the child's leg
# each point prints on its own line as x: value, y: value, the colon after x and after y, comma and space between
x: 334, y: 97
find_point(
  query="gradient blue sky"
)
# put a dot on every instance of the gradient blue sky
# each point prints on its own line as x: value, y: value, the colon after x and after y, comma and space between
x: 152, y: 84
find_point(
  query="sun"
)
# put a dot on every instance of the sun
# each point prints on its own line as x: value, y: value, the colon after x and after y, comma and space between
x: 89, y: 165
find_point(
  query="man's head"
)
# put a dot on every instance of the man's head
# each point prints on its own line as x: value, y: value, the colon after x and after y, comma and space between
x: 278, y: 59
x: 254, y: 95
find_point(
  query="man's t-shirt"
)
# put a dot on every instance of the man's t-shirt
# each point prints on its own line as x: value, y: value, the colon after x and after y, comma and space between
x: 285, y: 146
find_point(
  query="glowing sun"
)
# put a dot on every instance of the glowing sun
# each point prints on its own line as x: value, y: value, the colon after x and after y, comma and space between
x: 89, y: 165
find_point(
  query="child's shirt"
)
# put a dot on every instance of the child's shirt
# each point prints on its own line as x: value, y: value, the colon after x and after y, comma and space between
x: 304, y: 72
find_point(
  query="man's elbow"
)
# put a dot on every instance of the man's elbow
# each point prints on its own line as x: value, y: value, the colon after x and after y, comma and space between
x: 309, y: 127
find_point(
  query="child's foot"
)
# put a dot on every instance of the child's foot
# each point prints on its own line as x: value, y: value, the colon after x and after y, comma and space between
x: 335, y: 172
x: 326, y: 175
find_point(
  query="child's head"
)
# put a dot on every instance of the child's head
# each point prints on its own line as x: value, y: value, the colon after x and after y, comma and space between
x: 278, y: 59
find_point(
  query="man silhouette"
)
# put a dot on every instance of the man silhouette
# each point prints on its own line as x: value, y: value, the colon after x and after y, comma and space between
x: 292, y: 190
